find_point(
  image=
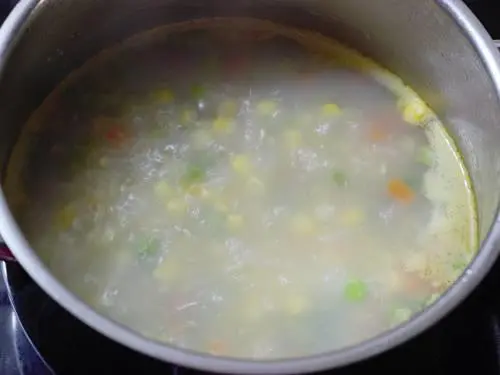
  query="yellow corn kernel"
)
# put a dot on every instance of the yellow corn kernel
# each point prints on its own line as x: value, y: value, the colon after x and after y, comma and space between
x: 167, y: 270
x: 331, y: 110
x: 296, y: 304
x: 198, y: 191
x: 292, y: 139
x: 256, y: 186
x: 241, y: 164
x: 188, y: 115
x: 223, y: 125
x: 177, y: 206
x: 220, y: 206
x: 165, y: 96
x: 227, y: 109
x: 353, y: 217
x: 163, y: 189
x: 235, y: 222
x: 66, y: 217
x: 414, y: 111
x: 266, y: 107
x: 303, y: 225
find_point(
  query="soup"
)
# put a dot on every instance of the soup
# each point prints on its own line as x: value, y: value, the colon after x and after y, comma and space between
x: 260, y: 193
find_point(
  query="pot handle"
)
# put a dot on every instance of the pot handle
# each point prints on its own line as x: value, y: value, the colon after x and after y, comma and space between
x: 5, y: 253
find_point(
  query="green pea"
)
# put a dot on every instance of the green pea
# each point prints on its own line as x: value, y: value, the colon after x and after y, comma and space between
x: 425, y: 156
x: 198, y: 91
x: 194, y: 175
x: 148, y: 247
x: 355, y: 291
x: 340, y: 178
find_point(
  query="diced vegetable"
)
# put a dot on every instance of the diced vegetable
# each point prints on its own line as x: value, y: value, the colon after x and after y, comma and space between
x: 414, y: 110
x: 223, y: 125
x: 241, y: 164
x: 148, y: 247
x: 167, y: 271
x: 177, y: 206
x: 267, y: 108
x: 220, y: 206
x: 115, y: 135
x: 413, y: 284
x: 189, y: 115
x: 340, y: 178
x: 377, y: 133
x: 355, y: 291
x: 198, y: 91
x: 164, y: 96
x: 425, y: 156
x: 194, y: 175
x: 217, y: 347
x: 401, y: 315
x: 163, y: 189
x: 296, y: 304
x: 303, y: 225
x: 66, y: 217
x: 331, y: 109
x: 198, y: 191
x: 353, y: 217
x: 227, y: 109
x: 292, y: 139
x: 235, y: 222
x: 400, y: 191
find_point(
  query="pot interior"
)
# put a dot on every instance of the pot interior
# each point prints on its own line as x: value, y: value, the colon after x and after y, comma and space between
x: 439, y: 62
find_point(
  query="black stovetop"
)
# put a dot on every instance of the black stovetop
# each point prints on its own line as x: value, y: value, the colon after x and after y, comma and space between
x: 42, y: 339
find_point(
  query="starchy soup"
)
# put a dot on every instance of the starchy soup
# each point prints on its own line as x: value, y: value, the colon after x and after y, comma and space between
x: 244, y: 189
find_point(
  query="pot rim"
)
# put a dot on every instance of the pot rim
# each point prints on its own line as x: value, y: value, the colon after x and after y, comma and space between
x: 14, y: 26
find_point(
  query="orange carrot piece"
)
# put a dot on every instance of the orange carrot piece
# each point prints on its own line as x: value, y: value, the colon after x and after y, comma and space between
x: 217, y: 347
x: 377, y: 134
x: 413, y: 284
x: 380, y: 127
x: 115, y: 135
x: 400, y: 191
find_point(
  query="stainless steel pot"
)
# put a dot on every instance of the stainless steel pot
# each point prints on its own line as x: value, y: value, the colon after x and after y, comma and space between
x: 437, y: 46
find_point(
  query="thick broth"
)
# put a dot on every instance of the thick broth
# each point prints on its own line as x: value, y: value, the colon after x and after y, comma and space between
x: 257, y: 193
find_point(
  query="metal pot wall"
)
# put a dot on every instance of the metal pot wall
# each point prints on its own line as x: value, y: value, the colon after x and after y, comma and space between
x: 437, y: 46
